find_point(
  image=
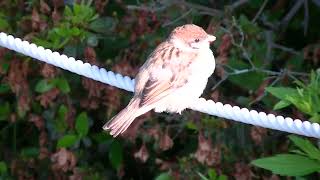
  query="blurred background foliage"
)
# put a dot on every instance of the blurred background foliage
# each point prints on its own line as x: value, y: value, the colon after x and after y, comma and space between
x: 267, y: 54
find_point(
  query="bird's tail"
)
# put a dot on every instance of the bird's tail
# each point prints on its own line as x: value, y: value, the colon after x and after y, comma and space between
x: 120, y: 122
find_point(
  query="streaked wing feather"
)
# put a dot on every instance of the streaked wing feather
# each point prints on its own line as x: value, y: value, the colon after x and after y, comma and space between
x: 154, y: 92
x: 160, y: 84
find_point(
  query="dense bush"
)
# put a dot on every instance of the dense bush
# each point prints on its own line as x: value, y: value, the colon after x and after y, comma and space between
x: 267, y: 55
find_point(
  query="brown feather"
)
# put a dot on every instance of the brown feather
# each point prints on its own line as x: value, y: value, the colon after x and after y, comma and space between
x: 119, y: 123
x: 152, y: 84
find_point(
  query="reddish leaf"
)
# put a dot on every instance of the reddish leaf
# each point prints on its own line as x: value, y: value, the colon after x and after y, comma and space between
x: 44, y: 7
x: 63, y: 160
x: 56, y: 16
x: 48, y: 97
x: 49, y: 71
x: 257, y: 134
x: 100, y: 4
x: 142, y: 154
x: 242, y: 172
x: 225, y: 45
x: 165, y: 141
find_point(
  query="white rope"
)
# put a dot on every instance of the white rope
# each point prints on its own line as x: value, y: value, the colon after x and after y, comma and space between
x: 218, y: 109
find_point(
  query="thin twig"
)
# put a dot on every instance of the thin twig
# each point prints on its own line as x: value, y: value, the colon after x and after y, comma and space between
x: 265, y: 92
x: 240, y: 71
x: 253, y: 68
x: 265, y: 2
x: 220, y: 82
x: 177, y: 19
x: 237, y: 4
x: 269, y: 40
x: 283, y: 48
x: 240, y: 45
x: 202, y: 9
x: 316, y: 2
x: 292, y: 12
x: 199, y: 8
x: 306, y: 17
x: 150, y: 8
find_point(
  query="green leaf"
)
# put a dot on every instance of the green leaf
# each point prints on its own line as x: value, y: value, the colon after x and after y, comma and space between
x: 255, y: 3
x: 288, y: 164
x: 247, y: 26
x: 222, y: 177
x: 62, y: 84
x: 281, y: 104
x: 3, y: 168
x: 30, y: 152
x: 43, y: 86
x: 70, y: 50
x: 62, y: 112
x: 103, y: 25
x: 4, y: 88
x: 3, y: 23
x: 282, y: 92
x: 191, y: 125
x: 42, y: 42
x: 164, y: 176
x: 77, y: 9
x: 101, y: 137
x: 298, y: 151
x: 67, y: 140
x: 68, y: 12
x: 60, y: 123
x: 255, y: 79
x: 74, y: 31
x: 4, y: 111
x: 212, y: 174
x: 115, y: 154
x: 92, y: 40
x: 5, y: 67
x: 306, y: 146
x: 82, y: 124
x: 203, y: 177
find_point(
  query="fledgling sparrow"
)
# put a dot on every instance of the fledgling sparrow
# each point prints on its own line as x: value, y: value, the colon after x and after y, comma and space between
x: 172, y: 78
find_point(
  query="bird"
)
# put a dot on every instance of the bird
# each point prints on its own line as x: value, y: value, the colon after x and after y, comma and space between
x: 172, y: 78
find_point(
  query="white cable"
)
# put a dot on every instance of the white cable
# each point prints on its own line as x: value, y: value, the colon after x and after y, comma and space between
x: 218, y: 109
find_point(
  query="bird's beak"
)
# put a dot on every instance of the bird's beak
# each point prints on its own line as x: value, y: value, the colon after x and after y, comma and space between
x: 211, y: 38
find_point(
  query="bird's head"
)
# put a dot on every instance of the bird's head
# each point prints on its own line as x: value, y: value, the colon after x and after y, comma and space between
x: 191, y: 37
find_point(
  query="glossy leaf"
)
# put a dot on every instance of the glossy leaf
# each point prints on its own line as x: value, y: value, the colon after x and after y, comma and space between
x: 43, y: 86
x: 115, y: 154
x: 282, y: 92
x: 306, y: 146
x: 3, y: 168
x: 103, y: 25
x: 4, y: 88
x: 62, y: 84
x: 4, y: 111
x: 282, y: 104
x: 288, y: 164
x: 67, y: 140
x: 82, y: 124
x: 164, y: 176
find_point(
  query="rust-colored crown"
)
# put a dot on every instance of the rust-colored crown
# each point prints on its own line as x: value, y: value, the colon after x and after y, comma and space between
x: 188, y: 32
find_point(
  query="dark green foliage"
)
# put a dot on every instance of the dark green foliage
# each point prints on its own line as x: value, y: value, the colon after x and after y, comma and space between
x: 304, y: 161
x: 305, y: 97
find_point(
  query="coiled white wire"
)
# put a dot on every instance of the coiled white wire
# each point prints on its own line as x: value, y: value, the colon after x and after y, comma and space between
x: 218, y: 109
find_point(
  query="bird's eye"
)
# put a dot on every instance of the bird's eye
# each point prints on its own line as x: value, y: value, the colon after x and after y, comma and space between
x: 196, y: 40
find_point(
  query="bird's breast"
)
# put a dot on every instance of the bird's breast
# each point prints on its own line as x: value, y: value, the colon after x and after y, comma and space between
x: 201, y: 69
x: 204, y: 65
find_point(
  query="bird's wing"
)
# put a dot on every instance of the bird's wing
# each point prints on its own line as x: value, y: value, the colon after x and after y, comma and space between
x: 167, y: 72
